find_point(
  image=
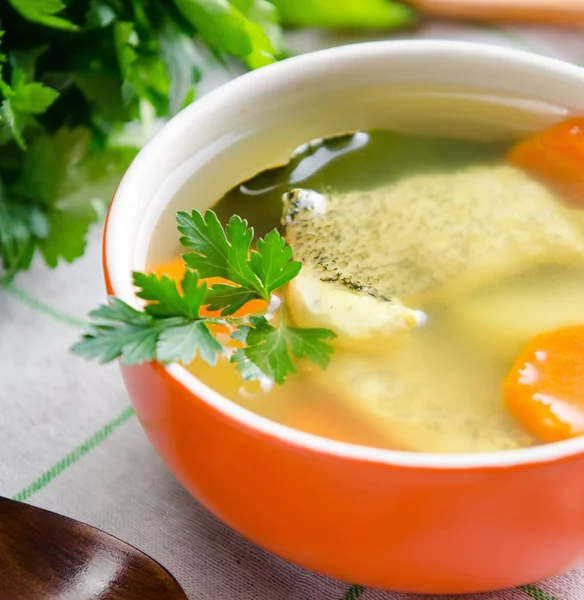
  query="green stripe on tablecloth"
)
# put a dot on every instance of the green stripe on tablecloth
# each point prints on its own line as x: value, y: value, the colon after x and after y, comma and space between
x: 70, y: 459
x: 536, y: 593
x: 354, y: 592
x: 41, y: 307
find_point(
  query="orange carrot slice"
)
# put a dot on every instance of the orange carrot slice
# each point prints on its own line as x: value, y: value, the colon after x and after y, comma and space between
x: 555, y: 157
x: 545, y: 388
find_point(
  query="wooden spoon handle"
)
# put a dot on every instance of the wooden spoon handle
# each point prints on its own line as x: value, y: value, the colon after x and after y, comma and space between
x: 548, y: 12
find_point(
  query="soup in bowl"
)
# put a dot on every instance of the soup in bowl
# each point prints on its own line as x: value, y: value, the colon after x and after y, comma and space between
x: 428, y: 440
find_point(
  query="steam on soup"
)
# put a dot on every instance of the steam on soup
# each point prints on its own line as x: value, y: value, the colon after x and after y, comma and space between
x: 435, y: 260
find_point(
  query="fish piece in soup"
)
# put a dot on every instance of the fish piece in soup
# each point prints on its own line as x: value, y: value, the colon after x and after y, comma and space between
x: 423, y: 400
x: 360, y: 321
x: 426, y: 237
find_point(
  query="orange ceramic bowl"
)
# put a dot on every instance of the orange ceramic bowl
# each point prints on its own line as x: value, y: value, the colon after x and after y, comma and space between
x: 426, y: 523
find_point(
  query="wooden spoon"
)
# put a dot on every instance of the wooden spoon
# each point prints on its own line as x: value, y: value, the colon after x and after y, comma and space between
x: 44, y: 556
x: 543, y: 12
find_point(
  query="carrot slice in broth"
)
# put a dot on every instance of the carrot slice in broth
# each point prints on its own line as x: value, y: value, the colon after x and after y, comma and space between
x: 555, y: 157
x: 545, y: 387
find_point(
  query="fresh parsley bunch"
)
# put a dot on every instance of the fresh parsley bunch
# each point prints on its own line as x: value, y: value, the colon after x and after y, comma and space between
x: 175, y: 324
x: 73, y: 73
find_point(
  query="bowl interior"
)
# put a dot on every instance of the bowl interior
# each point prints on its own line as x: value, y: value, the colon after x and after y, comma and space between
x: 256, y: 121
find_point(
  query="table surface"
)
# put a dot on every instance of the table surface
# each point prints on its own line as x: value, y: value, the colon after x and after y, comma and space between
x: 71, y: 442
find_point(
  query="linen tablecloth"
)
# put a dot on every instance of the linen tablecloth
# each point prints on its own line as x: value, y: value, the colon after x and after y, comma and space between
x: 70, y: 441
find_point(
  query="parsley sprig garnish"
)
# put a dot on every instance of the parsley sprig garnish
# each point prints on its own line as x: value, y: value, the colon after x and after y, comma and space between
x: 175, y: 324
x: 227, y: 253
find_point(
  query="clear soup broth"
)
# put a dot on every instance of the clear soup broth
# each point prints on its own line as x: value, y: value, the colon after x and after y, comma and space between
x: 429, y: 218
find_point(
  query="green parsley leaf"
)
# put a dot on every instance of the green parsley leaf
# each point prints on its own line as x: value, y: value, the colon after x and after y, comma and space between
x: 355, y: 14
x: 206, y: 236
x: 49, y: 207
x: 47, y: 162
x: 308, y: 343
x: 21, y: 228
x: 264, y: 31
x: 11, y: 124
x: 228, y: 253
x: 67, y: 237
x: 43, y: 12
x: 247, y: 369
x: 219, y: 23
x: 185, y: 342
x: 31, y: 98
x: 269, y: 348
x: 244, y: 28
x: 45, y: 172
x: 239, y: 265
x: 21, y: 101
x: 139, y: 345
x: 229, y: 298
x: 119, y: 330
x: 165, y: 300
x: 133, y: 343
x: 103, y: 91
x: 144, y: 74
x: 115, y: 311
x: 265, y: 14
x: 272, y: 262
x: 183, y: 62
x: 168, y: 330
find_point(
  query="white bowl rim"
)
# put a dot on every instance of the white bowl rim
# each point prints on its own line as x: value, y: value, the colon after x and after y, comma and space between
x: 113, y: 239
